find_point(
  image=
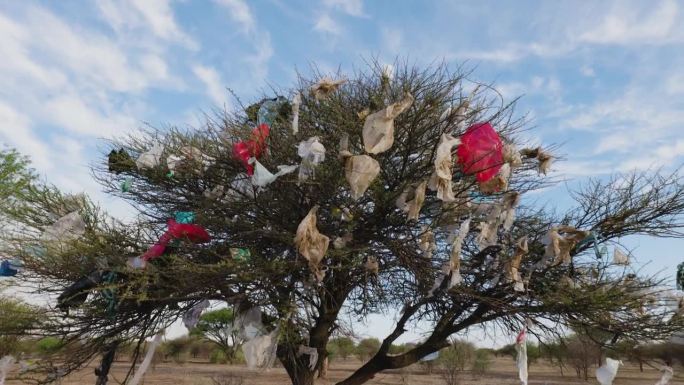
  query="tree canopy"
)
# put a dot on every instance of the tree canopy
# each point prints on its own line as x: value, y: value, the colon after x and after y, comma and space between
x: 414, y: 206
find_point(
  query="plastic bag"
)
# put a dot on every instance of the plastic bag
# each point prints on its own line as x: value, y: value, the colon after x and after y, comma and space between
x: 426, y: 242
x: 270, y: 109
x: 607, y: 372
x: 360, y: 171
x: 296, y: 103
x: 7, y: 269
x: 480, y: 152
x: 151, y: 158
x: 184, y: 216
x: 455, y: 256
x: 544, y: 159
x: 510, y: 201
x: 499, y: 182
x: 68, y: 227
x: 191, y: 232
x: 560, y: 246
x: 147, y: 360
x: 252, y: 148
x: 341, y: 242
x: 260, y: 351
x: 312, y: 153
x: 310, y: 243
x: 413, y: 206
x: 489, y: 228
x: 262, y: 177
x: 372, y: 265
x: 312, y: 353
x: 214, y: 193
x: 325, y: 87
x: 6, y: 364
x: 620, y: 258
x: 521, y: 249
x: 378, y: 129
x: 192, y: 316
x: 511, y: 155
x: 441, y: 178
x: 668, y: 373
x: 521, y: 356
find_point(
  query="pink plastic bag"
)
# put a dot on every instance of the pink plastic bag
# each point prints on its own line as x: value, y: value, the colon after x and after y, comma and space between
x: 480, y: 151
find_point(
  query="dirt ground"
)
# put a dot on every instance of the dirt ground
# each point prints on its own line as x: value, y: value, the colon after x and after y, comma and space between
x: 502, y: 372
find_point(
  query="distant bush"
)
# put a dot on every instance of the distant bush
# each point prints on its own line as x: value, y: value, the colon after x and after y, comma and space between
x: 218, y: 356
x: 367, y: 348
x: 49, y: 345
x: 482, y: 361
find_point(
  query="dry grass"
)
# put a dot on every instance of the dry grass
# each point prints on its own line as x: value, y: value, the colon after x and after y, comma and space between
x: 503, y: 372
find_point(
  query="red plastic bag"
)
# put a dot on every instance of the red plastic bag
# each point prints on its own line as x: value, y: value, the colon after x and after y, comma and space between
x: 254, y: 147
x: 480, y: 152
x: 192, y: 232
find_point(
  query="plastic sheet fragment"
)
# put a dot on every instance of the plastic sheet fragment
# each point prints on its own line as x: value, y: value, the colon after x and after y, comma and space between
x: 311, y: 243
x: 513, y: 271
x: 667, y: 375
x: 312, y: 153
x: 6, y: 364
x: 620, y: 258
x: 562, y: 240
x: 260, y: 351
x: 426, y: 242
x: 455, y: 256
x: 443, y: 174
x: 262, y: 177
x: 521, y: 356
x: 324, y: 87
x: 543, y: 158
x: 296, y: 103
x: 147, y: 360
x: 480, y: 152
x: 66, y: 228
x: 378, y: 128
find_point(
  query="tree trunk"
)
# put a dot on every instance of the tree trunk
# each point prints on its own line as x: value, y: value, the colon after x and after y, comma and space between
x: 102, y: 371
x: 323, y: 370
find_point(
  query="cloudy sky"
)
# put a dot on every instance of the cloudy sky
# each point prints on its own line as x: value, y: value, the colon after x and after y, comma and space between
x: 603, y: 79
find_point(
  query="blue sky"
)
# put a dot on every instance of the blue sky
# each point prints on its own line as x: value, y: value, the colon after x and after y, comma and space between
x: 603, y: 79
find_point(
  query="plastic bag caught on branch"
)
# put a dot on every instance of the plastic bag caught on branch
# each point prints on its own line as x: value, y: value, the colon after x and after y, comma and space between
x: 252, y: 148
x: 441, y: 178
x: 510, y: 201
x: 191, y: 317
x: 148, y: 359
x: 360, y: 171
x: 378, y: 129
x: 513, y: 271
x: 455, y: 257
x: 312, y: 244
x: 151, y: 158
x: 521, y: 358
x: 262, y: 177
x: 562, y: 240
x: 426, y: 242
x: 667, y: 375
x: 311, y: 352
x: 620, y: 258
x: 412, y: 207
x: 6, y: 364
x: 191, y: 232
x: 607, y: 372
x: 544, y: 159
x: 260, y: 351
x: 480, y: 152
x: 10, y: 268
x: 312, y: 153
x: 296, y: 103
x: 499, y: 182
x: 325, y: 87
x: 66, y: 228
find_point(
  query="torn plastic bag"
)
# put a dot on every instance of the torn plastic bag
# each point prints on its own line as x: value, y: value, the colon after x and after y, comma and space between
x: 311, y: 352
x: 270, y: 109
x: 513, y: 271
x: 499, y: 182
x: 310, y: 243
x: 325, y: 87
x: 126, y: 184
x: 68, y: 227
x: 148, y: 359
x: 480, y: 152
x: 120, y: 161
x: 620, y: 258
x: 439, y: 279
x: 151, y: 158
x: 510, y: 202
x: 489, y: 228
x: 184, y: 231
x: 544, y: 159
x: 262, y: 177
x: 360, y: 171
x: 6, y: 364
x: 214, y: 193
x: 184, y: 216
x: 312, y: 153
x: 607, y: 372
x: 241, y: 187
x: 260, y: 351
x: 252, y: 148
x: 455, y: 257
x: 412, y: 207
x: 296, y: 103
x: 562, y: 240
x: 426, y: 242
x: 77, y: 293
x: 341, y: 242
x: 441, y: 177
x: 511, y: 155
x: 240, y: 254
x: 378, y: 129
x: 667, y: 375
x: 521, y: 356
x: 192, y: 316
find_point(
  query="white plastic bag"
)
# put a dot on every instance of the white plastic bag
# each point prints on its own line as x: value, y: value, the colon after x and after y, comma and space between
x: 260, y: 351
x: 378, y: 129
x: 68, y: 227
x: 607, y: 372
x: 312, y: 353
x: 441, y: 177
x: 5, y: 366
x: 151, y: 158
x: 455, y: 257
x: 360, y: 171
x: 262, y: 177
x: 147, y: 360
x: 668, y: 373
x: 296, y: 103
x: 311, y: 243
x: 312, y: 153
x: 191, y: 317
x: 325, y: 87
x: 620, y: 258
x: 413, y: 206
x: 521, y: 358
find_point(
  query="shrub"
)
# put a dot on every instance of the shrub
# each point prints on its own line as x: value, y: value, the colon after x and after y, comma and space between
x: 482, y: 361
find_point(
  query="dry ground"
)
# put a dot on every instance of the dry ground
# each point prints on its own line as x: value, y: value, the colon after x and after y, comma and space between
x: 503, y: 372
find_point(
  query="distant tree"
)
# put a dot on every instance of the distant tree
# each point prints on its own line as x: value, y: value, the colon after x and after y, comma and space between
x: 176, y: 348
x: 217, y: 327
x: 345, y: 346
x: 583, y: 353
x: 17, y: 319
x: 454, y: 359
x: 482, y: 361
x: 367, y: 347
x: 556, y: 353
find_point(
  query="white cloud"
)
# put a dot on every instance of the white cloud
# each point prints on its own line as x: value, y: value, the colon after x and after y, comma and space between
x: 136, y: 15
x: 350, y: 7
x: 240, y: 13
x: 326, y: 24
x: 627, y: 25
x: 587, y: 71
x: 391, y: 40
x: 74, y: 114
x: 213, y: 83
x: 15, y: 130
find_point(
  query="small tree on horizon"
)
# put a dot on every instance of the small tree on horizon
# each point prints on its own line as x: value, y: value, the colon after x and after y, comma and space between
x: 379, y: 259
x: 217, y: 326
